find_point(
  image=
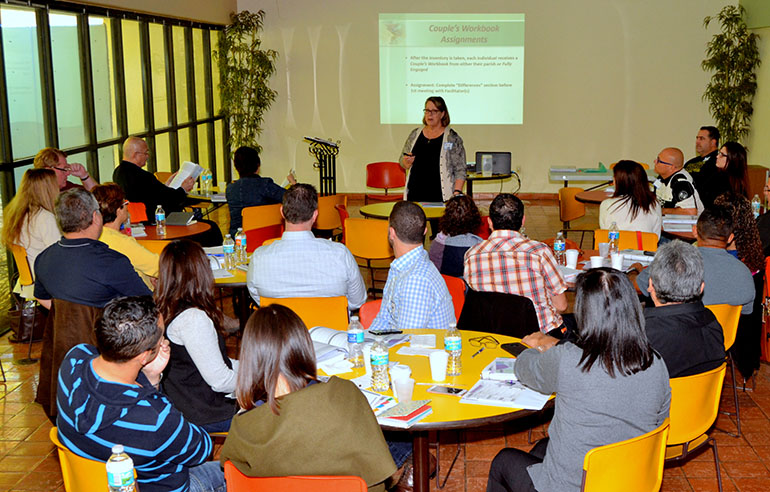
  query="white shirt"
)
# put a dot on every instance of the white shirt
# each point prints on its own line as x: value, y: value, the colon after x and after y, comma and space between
x: 300, y: 265
x: 37, y: 233
x: 610, y: 211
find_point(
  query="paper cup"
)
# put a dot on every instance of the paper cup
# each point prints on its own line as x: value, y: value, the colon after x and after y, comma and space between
x: 400, y: 371
x: 597, y: 261
x: 617, y: 261
x: 403, y: 388
x: 572, y: 258
x: 438, y: 362
x: 604, y: 249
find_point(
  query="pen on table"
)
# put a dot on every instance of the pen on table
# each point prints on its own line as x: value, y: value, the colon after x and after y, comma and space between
x: 478, y: 352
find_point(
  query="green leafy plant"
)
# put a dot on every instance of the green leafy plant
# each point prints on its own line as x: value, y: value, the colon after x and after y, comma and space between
x: 245, y: 69
x: 733, y: 56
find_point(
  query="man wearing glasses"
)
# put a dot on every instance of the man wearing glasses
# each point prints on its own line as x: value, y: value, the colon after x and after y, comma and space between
x: 56, y: 159
x: 674, y: 187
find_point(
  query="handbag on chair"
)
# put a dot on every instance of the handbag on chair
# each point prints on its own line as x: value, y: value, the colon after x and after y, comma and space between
x: 27, y: 319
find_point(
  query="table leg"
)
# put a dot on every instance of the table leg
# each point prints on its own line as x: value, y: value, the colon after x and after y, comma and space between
x: 469, y: 188
x: 421, y: 461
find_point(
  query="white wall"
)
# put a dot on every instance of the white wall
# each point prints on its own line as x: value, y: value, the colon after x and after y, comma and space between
x: 604, y: 80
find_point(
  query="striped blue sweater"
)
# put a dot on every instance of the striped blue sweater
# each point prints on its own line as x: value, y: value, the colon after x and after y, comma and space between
x: 95, y: 414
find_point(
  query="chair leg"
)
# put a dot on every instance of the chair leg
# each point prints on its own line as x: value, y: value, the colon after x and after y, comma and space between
x: 713, y: 443
x: 735, y: 396
x: 440, y: 485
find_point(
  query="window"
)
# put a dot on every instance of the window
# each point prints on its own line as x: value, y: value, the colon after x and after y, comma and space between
x: 68, y: 87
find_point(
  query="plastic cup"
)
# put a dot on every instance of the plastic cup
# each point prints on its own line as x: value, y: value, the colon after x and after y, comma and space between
x: 404, y: 388
x: 617, y: 261
x: 572, y: 258
x: 604, y: 249
x: 438, y: 362
x: 597, y: 261
x: 400, y: 371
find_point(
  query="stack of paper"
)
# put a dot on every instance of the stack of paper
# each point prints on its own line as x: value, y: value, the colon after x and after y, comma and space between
x: 500, y: 369
x: 405, y: 414
x: 504, y: 394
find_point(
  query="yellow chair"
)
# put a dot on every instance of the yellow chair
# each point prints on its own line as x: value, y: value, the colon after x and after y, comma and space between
x: 261, y: 216
x: 154, y: 245
x: 629, y: 239
x: 328, y: 216
x: 331, y: 312
x: 80, y: 474
x: 238, y: 482
x: 162, y: 176
x: 694, y: 409
x: 631, y: 465
x: 368, y: 239
x: 728, y: 316
x: 26, y: 279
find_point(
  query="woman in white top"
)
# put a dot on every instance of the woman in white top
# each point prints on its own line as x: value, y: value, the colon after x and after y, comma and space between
x: 633, y: 207
x: 199, y: 376
x: 29, y: 219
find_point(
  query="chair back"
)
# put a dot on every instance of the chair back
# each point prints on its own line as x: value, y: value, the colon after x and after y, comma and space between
x: 629, y: 239
x: 137, y: 211
x: 331, y: 312
x: 342, y: 211
x: 368, y: 312
x: 22, y: 265
x: 456, y: 288
x: 163, y: 176
x: 728, y: 316
x: 154, y: 245
x: 259, y: 236
x: 694, y: 404
x: 385, y: 175
x: 261, y: 216
x: 79, y: 474
x: 569, y: 207
x: 238, y: 482
x: 328, y: 216
x: 483, y: 231
x: 497, y: 312
x: 368, y: 238
x: 634, y: 464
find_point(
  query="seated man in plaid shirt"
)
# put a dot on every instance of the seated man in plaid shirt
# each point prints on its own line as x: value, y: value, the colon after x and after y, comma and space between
x: 510, y: 263
x: 415, y: 295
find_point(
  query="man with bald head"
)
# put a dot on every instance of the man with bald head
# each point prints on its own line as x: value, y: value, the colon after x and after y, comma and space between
x: 674, y: 187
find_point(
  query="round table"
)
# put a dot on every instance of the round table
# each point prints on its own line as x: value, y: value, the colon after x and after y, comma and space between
x: 448, y: 412
x: 176, y: 232
x: 593, y: 196
x: 382, y: 210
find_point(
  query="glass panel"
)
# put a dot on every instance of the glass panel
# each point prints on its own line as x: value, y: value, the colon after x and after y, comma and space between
x: 163, y: 152
x: 103, y: 68
x: 17, y: 175
x: 180, y: 74
x: 158, y: 65
x: 109, y: 158
x: 82, y: 159
x: 66, y: 79
x: 184, y: 145
x: 215, y: 71
x: 132, y: 62
x: 200, y: 79
x: 22, y: 70
x: 203, y: 146
x: 219, y: 142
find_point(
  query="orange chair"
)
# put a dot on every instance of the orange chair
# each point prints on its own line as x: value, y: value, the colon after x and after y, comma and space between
x: 137, y: 211
x: 328, y: 217
x: 646, y: 241
x: 569, y: 207
x: 25, y: 279
x: 266, y: 220
x: 368, y: 240
x: 331, y: 312
x: 238, y: 482
x: 456, y: 288
x: 163, y: 176
x: 342, y: 211
x: 368, y: 312
x: 385, y: 175
x: 154, y: 245
x: 728, y: 317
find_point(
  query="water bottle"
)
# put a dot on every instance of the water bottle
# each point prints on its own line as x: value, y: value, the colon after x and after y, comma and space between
x: 453, y: 344
x: 356, y: 342
x: 523, y: 232
x: 228, y: 247
x: 614, y: 237
x: 125, y: 227
x: 559, y: 245
x: 206, y: 179
x: 379, y: 353
x: 120, y: 471
x: 160, y: 221
x: 240, y: 246
x: 756, y: 204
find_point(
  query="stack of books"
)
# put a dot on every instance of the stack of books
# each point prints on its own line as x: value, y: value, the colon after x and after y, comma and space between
x: 405, y: 414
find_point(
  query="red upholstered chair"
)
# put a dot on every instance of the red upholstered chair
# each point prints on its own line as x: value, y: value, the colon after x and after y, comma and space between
x: 256, y: 237
x: 456, y: 288
x: 385, y: 175
x: 368, y: 312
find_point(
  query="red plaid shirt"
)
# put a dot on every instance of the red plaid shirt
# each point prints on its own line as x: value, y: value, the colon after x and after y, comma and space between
x: 510, y: 263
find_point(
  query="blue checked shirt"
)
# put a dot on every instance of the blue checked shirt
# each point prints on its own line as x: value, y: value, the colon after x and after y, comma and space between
x: 415, y: 295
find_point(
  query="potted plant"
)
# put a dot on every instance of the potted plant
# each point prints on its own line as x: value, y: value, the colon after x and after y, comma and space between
x: 733, y: 56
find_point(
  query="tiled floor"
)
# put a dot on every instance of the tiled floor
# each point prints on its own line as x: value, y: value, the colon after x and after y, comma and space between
x: 28, y: 460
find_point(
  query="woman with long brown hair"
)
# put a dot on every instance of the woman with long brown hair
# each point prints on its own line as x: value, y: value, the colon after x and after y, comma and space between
x: 292, y: 424
x: 199, y: 375
x: 633, y: 206
x: 730, y: 173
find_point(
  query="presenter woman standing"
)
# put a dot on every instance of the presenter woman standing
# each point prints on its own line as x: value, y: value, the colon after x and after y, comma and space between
x: 434, y: 156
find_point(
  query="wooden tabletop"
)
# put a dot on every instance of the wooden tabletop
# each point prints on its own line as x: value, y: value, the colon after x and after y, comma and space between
x: 382, y: 210
x: 593, y: 196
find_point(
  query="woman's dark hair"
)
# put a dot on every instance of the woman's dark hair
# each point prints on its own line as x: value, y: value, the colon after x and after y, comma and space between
x: 736, y: 168
x: 461, y: 216
x: 610, y: 323
x: 185, y: 281
x: 745, y: 230
x: 246, y: 161
x: 275, y: 342
x: 438, y: 101
x: 111, y: 198
x: 633, y: 188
